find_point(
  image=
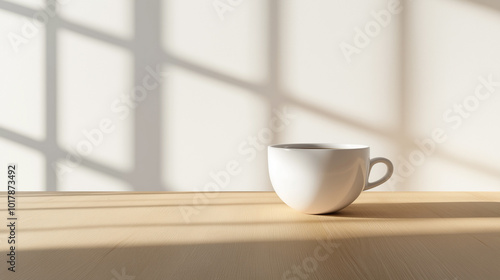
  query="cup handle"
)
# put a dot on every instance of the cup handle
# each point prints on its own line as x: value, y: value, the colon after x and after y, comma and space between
x: 390, y: 169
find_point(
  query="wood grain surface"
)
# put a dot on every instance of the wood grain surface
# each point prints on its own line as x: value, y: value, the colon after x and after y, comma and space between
x: 252, y: 235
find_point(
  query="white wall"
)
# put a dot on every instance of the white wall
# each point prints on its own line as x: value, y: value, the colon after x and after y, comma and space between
x: 207, y: 85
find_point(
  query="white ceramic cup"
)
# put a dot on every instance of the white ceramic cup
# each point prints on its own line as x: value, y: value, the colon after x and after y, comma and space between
x: 322, y: 178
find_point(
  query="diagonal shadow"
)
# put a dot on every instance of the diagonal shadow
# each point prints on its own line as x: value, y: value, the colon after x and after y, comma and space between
x: 199, y: 69
x: 58, y: 153
x: 96, y: 34
x: 492, y: 4
x: 18, y: 9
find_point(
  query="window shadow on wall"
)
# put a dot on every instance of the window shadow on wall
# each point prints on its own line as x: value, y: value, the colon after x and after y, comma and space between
x: 147, y: 51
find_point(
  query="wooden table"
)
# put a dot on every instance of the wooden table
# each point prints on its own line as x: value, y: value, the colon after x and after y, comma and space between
x: 252, y: 235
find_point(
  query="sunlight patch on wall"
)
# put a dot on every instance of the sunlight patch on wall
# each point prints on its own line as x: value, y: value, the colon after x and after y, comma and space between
x: 451, y: 51
x: 234, y: 46
x: 438, y: 174
x: 30, y: 166
x: 315, y: 69
x: 455, y: 84
x: 206, y: 123
x: 85, y: 179
x: 95, y: 85
x: 22, y: 90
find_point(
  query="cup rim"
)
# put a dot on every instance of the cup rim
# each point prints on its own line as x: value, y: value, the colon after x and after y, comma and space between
x: 322, y: 146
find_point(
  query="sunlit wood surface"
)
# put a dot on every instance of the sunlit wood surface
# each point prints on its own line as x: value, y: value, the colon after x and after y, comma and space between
x: 252, y: 235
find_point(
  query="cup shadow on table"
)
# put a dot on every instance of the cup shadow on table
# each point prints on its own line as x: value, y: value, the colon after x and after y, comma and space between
x: 420, y: 210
